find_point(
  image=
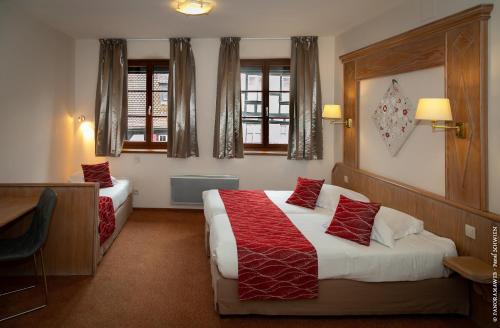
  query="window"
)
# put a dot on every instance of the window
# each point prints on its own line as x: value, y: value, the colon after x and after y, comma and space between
x: 265, y: 101
x: 147, y: 104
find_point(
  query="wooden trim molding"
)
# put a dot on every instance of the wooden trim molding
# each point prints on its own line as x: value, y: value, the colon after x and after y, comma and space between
x: 480, y: 12
x: 441, y: 216
x: 459, y: 43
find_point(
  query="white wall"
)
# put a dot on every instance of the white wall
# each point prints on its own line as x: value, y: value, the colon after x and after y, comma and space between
x: 422, y: 150
x: 150, y: 172
x: 36, y: 76
x: 413, y: 14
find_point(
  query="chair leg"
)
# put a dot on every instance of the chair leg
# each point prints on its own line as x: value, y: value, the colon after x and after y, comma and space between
x: 45, y: 289
x: 28, y: 287
x: 22, y: 289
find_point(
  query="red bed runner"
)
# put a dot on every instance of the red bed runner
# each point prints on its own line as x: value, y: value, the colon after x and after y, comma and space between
x: 275, y: 261
x: 106, y: 218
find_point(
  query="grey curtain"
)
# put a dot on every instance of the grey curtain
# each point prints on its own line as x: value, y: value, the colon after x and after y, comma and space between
x: 305, y: 139
x: 111, y: 98
x: 182, y: 139
x: 228, y: 136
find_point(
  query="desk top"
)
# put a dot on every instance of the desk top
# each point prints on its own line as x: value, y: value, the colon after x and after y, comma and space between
x: 13, y: 207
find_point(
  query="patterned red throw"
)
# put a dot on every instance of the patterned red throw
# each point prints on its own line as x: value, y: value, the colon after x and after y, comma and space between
x: 275, y: 261
x: 353, y: 220
x: 106, y: 218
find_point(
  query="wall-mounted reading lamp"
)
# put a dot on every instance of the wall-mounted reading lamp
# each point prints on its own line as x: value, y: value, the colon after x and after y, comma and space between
x: 333, y: 113
x: 439, y: 109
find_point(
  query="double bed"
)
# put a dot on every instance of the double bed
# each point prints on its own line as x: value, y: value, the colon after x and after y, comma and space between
x: 353, y: 279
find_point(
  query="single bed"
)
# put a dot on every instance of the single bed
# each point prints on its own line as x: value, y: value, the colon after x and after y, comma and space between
x: 121, y: 195
x: 353, y: 279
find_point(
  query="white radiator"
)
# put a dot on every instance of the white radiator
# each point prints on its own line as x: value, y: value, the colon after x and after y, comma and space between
x: 187, y: 189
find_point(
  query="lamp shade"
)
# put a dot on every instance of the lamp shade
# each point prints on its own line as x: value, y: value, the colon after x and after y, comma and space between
x: 332, y: 112
x: 434, y: 109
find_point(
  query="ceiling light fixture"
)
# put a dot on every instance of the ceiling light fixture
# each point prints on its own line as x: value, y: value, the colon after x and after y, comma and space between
x: 194, y: 7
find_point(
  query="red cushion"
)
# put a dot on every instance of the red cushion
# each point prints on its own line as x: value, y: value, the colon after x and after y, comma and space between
x: 98, y: 173
x: 353, y: 220
x: 306, y: 192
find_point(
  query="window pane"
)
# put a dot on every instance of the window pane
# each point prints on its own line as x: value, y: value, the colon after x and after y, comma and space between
x: 160, y: 103
x: 278, y: 131
x: 279, y: 78
x: 160, y: 133
x: 160, y: 78
x: 252, y: 130
x: 137, y: 78
x: 137, y: 103
x: 251, y: 79
x: 136, y: 129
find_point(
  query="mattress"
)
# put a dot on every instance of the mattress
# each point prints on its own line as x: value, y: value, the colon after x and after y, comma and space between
x: 213, y: 204
x: 415, y: 257
x: 119, y: 193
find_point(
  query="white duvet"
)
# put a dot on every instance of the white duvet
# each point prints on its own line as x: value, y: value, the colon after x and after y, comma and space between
x: 415, y: 257
x: 118, y: 193
x: 213, y: 204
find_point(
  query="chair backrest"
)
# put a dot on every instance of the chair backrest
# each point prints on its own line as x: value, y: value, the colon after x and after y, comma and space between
x: 39, y: 228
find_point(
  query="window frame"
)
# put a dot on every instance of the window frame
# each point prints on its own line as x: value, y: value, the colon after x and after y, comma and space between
x: 148, y: 144
x: 265, y: 65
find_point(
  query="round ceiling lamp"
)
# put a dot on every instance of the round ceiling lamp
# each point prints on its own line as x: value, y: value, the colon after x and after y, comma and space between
x: 194, y: 7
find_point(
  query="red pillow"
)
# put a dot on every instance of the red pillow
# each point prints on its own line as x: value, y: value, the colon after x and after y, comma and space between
x: 353, y: 220
x: 98, y: 173
x: 306, y: 192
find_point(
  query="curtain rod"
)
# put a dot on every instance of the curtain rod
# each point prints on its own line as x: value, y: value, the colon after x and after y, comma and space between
x: 166, y: 39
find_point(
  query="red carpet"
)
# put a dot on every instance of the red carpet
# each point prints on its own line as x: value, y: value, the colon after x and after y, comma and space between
x: 156, y: 274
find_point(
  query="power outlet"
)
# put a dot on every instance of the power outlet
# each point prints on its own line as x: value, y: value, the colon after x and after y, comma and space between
x: 346, y: 179
x: 135, y: 192
x: 470, y: 231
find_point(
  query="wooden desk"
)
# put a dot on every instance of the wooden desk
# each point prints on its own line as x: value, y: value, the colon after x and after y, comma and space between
x: 12, y: 208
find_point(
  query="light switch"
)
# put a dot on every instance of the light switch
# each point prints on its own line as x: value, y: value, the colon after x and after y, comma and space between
x: 470, y: 231
x: 346, y: 179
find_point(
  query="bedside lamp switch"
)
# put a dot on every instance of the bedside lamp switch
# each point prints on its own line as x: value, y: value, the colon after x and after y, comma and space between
x: 470, y: 231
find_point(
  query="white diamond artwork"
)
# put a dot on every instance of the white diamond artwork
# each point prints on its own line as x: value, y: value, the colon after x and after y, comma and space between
x: 394, y: 118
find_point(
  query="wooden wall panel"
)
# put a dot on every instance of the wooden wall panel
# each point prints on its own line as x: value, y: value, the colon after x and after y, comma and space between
x: 462, y: 38
x: 465, y: 75
x: 71, y: 244
x: 412, y: 56
x: 351, y: 140
x: 441, y: 216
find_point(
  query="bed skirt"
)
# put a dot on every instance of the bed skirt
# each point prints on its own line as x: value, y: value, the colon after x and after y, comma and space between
x: 348, y: 297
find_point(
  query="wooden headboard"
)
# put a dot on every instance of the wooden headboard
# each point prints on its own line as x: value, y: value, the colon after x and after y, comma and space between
x: 459, y: 43
x: 441, y: 216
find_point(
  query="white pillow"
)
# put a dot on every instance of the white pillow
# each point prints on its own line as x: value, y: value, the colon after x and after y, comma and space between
x: 380, y: 233
x: 77, y: 177
x: 400, y: 223
x: 329, y: 196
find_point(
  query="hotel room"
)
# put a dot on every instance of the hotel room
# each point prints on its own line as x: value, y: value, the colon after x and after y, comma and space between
x: 249, y: 163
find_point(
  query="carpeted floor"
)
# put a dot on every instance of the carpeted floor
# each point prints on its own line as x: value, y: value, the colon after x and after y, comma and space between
x: 156, y: 274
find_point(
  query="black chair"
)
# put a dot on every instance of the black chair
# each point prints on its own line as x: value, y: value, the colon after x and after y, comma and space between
x: 31, y: 243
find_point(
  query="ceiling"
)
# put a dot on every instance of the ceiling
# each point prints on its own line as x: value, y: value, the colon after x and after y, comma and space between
x: 246, y: 18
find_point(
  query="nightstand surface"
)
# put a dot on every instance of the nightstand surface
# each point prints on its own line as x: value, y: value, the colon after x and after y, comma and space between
x: 470, y: 268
